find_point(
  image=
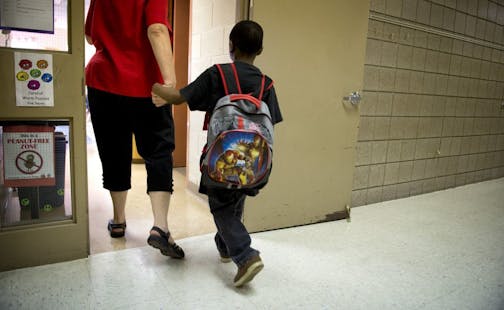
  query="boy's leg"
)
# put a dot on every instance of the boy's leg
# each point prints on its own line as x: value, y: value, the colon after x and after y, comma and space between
x: 227, y: 209
x: 222, y: 247
x: 219, y: 241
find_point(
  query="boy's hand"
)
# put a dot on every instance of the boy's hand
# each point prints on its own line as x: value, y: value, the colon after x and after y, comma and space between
x: 157, y: 100
x: 165, y: 94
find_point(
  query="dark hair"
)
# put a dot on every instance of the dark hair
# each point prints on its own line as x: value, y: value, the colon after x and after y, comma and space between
x: 247, y: 36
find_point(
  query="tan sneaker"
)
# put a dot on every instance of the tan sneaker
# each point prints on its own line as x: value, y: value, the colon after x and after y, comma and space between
x: 248, y: 271
x: 224, y: 258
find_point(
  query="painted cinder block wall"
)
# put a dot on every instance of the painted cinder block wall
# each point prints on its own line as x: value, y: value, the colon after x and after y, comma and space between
x: 432, y: 115
x: 211, y: 23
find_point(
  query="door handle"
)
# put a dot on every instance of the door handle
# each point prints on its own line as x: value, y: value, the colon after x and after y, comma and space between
x: 354, y: 98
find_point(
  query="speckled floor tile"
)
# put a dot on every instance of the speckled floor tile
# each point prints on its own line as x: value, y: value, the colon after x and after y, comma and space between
x: 441, y: 250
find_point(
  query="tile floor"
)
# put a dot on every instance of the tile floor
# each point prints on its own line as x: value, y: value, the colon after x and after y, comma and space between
x: 442, y: 250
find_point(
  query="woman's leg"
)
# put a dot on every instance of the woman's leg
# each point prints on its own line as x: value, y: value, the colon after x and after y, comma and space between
x: 160, y: 202
x: 154, y: 134
x: 114, y: 147
x: 119, y: 202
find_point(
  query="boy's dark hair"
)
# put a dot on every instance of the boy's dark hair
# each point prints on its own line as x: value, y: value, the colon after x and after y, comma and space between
x: 247, y: 36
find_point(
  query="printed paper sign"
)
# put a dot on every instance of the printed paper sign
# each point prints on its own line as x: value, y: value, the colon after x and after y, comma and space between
x: 27, y: 15
x: 28, y: 156
x: 34, y: 80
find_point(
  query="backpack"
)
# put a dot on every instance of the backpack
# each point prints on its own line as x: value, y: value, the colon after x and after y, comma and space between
x: 239, y: 149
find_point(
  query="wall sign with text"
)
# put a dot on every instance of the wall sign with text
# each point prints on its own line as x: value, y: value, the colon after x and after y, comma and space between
x: 28, y: 155
x: 27, y: 15
x: 34, y: 80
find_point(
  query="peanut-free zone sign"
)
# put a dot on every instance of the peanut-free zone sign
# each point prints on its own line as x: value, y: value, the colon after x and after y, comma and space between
x: 28, y: 156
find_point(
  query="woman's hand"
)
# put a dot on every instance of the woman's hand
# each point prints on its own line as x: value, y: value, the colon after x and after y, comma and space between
x: 158, y: 101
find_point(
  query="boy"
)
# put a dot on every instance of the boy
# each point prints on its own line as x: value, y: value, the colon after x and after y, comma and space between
x: 232, y: 238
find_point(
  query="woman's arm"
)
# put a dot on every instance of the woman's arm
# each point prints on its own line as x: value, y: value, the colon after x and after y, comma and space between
x: 89, y: 21
x: 159, y: 38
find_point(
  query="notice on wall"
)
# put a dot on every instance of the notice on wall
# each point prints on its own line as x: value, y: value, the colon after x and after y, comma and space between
x: 27, y: 15
x: 28, y: 156
x: 34, y: 80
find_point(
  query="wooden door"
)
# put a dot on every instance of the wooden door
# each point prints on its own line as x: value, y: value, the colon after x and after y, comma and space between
x: 314, y: 51
x: 47, y: 236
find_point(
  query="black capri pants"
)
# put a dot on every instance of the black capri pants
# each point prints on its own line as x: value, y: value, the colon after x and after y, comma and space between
x: 115, y: 118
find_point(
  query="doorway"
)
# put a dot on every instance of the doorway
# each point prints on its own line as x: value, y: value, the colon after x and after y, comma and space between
x: 188, y: 215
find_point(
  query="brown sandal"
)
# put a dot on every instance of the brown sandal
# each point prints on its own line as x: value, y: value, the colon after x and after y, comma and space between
x: 161, y: 243
x: 116, y: 230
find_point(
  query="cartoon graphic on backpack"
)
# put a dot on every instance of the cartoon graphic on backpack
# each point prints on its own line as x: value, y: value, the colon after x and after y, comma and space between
x: 239, y: 146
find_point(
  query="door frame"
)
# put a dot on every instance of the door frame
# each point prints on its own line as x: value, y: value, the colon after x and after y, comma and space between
x: 180, y: 19
x: 45, y: 243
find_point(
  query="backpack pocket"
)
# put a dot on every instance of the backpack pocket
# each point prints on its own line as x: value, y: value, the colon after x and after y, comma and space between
x: 238, y: 159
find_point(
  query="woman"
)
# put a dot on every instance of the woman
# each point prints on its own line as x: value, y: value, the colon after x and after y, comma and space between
x: 133, y: 51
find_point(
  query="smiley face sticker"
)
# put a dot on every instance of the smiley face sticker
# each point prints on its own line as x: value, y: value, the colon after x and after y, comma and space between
x: 22, y: 76
x: 34, y: 73
x: 25, y: 64
x: 42, y: 64
x: 33, y: 84
x: 47, y: 77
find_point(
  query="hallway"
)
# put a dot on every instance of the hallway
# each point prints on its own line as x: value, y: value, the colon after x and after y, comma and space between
x: 441, y: 250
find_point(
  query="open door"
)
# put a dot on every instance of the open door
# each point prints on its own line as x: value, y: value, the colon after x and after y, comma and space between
x: 44, y: 219
x: 180, y: 21
x: 314, y: 51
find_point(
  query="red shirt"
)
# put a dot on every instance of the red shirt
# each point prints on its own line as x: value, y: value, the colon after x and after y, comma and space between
x: 124, y: 63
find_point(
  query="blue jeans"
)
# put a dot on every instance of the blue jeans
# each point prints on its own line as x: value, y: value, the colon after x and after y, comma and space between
x: 232, y: 238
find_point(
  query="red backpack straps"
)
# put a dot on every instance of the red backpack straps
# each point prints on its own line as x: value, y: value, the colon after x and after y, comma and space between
x: 229, y: 78
x: 223, y: 79
x: 207, y: 120
x: 235, y: 73
x: 270, y: 86
x: 231, y: 82
x: 262, y: 87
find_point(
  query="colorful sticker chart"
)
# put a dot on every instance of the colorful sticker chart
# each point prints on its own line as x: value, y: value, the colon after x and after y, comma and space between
x: 34, y: 80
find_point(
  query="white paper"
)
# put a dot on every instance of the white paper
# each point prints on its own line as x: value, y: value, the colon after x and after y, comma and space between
x: 34, y: 80
x: 28, y: 156
x: 27, y: 15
